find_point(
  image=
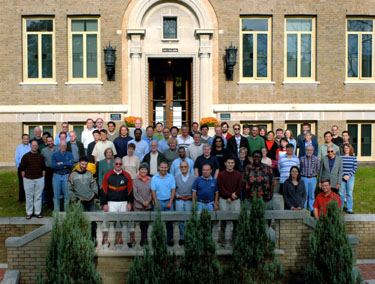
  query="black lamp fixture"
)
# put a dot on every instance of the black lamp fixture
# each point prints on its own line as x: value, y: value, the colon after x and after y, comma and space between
x: 110, y: 62
x: 230, y: 61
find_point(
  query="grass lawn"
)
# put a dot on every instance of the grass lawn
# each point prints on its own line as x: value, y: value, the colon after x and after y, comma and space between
x: 364, y: 194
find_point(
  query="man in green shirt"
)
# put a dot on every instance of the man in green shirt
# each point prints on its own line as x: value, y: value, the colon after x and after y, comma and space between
x: 255, y: 141
x: 159, y: 131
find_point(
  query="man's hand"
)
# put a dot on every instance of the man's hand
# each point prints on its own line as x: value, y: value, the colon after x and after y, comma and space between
x: 298, y: 208
x: 346, y: 178
x: 216, y: 207
x: 146, y: 203
x: 129, y: 207
x: 169, y: 205
x: 229, y: 200
x: 337, y: 186
x: 320, y: 185
x: 234, y: 196
x: 292, y: 208
x: 105, y: 208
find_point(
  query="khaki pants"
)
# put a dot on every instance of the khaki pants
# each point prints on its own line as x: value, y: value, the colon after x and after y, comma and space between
x: 235, y: 205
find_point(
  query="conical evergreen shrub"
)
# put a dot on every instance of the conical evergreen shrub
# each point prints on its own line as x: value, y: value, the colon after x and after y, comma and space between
x: 71, y: 252
x: 330, y: 251
x: 254, y: 259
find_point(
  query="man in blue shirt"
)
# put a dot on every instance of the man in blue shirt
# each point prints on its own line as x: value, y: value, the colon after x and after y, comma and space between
x: 20, y: 152
x: 65, y: 129
x: 62, y: 162
x: 175, y: 167
x: 163, y: 190
x: 149, y: 137
x: 205, y: 190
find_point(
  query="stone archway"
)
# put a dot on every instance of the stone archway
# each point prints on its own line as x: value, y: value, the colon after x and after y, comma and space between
x: 141, y: 40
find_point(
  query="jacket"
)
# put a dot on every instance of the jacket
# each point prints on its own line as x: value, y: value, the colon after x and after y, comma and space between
x: 232, y: 145
x: 81, y: 149
x: 147, y: 158
x: 302, y: 149
x: 335, y: 176
x: 294, y: 197
x: 82, y: 185
x: 116, y: 187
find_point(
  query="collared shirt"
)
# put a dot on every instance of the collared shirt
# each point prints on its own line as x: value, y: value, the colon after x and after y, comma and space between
x: 324, y: 147
x: 259, y: 180
x: 321, y: 201
x: 184, y: 142
x: 87, y: 137
x: 47, y: 152
x: 205, y: 188
x: 163, y: 186
x: 100, y: 147
x: 211, y: 160
x: 163, y: 146
x: 67, y: 162
x: 20, y: 152
x: 175, y: 167
x: 309, y: 166
x: 256, y: 143
x: 185, y: 178
x: 141, y: 149
x: 75, y: 151
x: 158, y: 136
x: 148, y: 141
x: 284, y: 165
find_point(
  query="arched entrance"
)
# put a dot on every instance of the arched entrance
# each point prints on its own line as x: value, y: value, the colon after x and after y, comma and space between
x: 170, y: 60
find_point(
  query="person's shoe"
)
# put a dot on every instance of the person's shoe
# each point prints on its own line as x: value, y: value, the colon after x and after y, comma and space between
x: 130, y: 245
x: 28, y: 217
x: 312, y: 214
x: 170, y: 243
x: 350, y: 212
x: 181, y: 242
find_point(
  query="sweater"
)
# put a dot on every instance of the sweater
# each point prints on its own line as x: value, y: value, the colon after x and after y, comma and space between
x: 229, y: 183
x: 121, y: 145
x: 184, y: 188
x: 194, y: 151
x: 104, y: 168
x: 82, y: 185
x: 33, y: 165
x: 349, y: 165
x: 142, y: 193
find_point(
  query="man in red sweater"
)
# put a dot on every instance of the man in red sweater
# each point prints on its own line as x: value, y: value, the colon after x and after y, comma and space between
x: 325, y: 197
x: 117, y: 194
x: 230, y: 186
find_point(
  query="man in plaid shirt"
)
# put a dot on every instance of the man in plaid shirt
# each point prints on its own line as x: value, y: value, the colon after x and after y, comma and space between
x: 258, y: 180
x: 309, y: 166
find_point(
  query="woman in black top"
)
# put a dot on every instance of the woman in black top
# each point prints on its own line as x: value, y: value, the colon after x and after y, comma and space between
x: 294, y: 191
x: 219, y: 151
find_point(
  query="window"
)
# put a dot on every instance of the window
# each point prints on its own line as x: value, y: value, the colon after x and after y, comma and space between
x: 360, y: 42
x: 28, y: 128
x: 169, y: 28
x: 361, y: 139
x: 84, y: 49
x: 38, y: 50
x: 78, y: 128
x: 299, y: 49
x: 261, y: 124
x: 296, y: 127
x: 255, y: 51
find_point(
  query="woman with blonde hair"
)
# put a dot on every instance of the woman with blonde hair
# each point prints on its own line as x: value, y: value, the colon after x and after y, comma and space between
x: 350, y: 165
x: 289, y: 135
x: 105, y: 165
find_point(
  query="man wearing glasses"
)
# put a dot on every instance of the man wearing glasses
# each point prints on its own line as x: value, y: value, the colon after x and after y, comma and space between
x: 327, y: 143
x: 331, y: 168
x: 237, y: 141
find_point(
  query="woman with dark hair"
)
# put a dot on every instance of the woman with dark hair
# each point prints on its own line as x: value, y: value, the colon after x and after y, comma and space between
x: 280, y: 152
x: 219, y: 151
x: 271, y: 146
x: 350, y: 165
x: 263, y: 133
x: 294, y: 190
x: 121, y: 142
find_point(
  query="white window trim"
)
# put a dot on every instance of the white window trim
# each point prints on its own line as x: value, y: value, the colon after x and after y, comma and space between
x: 359, y: 144
x: 301, y: 82
x: 256, y: 83
x: 38, y: 83
x: 83, y: 83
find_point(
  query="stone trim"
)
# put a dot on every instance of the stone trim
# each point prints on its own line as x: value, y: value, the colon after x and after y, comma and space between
x: 23, y: 221
x: 360, y: 218
x: 11, y: 277
x: 21, y: 241
x: 62, y: 108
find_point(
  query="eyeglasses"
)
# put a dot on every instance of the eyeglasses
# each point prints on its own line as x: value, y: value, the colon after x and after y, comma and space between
x: 118, y: 164
x: 183, y: 166
x: 330, y: 151
x: 236, y: 129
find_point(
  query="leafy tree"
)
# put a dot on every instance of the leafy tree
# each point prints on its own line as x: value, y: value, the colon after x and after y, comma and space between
x: 330, y: 251
x: 253, y: 252
x: 71, y: 252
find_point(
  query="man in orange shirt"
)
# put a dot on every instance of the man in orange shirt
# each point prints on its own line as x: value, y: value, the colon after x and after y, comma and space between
x: 325, y: 197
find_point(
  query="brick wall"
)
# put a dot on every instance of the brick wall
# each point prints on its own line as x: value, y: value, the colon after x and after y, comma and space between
x: 366, y: 234
x: 13, y: 230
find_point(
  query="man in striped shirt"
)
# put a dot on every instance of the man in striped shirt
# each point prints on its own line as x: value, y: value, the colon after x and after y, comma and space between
x: 309, y: 170
x: 285, y: 163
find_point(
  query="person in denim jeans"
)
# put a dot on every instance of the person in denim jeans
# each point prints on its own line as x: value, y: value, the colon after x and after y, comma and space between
x: 184, y: 185
x: 163, y: 190
x: 62, y: 162
x: 205, y: 190
x: 350, y: 165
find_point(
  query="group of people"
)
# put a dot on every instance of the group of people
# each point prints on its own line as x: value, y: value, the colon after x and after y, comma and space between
x: 142, y: 169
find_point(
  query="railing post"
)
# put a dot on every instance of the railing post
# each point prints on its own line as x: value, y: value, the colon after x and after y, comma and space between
x: 99, y: 235
x: 137, y: 235
x: 112, y: 235
x: 124, y: 235
x: 176, y: 235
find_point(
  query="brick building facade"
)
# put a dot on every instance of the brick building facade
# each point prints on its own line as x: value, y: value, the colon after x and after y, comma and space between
x: 297, y: 61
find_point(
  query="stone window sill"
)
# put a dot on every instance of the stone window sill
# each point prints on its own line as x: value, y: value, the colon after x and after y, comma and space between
x: 300, y: 82
x: 256, y: 83
x: 37, y: 83
x: 83, y: 83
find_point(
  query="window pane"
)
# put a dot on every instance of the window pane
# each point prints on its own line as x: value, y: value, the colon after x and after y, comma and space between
x: 297, y: 25
x: 31, y: 131
x: 78, y: 25
x: 92, y: 56
x: 352, y: 55
x: 294, y: 128
x: 262, y: 55
x: 255, y: 24
x: 49, y: 128
x: 46, y: 56
x: 366, y: 140
x: 169, y: 27
x: 32, y: 56
x: 305, y: 55
x: 77, y: 56
x: 292, y: 55
x: 248, y: 55
x: 353, y: 132
x: 366, y: 55
x: 91, y: 25
x: 39, y: 25
x: 78, y: 130
x: 360, y: 25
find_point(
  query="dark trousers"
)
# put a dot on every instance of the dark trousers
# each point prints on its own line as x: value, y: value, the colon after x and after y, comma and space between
x: 21, y: 191
x: 48, y: 188
x: 90, y: 206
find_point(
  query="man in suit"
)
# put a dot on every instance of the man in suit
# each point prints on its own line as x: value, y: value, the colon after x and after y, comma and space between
x: 331, y: 168
x: 237, y: 141
x: 75, y: 147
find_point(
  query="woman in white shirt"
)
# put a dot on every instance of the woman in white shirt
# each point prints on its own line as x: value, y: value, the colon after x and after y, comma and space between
x: 130, y: 163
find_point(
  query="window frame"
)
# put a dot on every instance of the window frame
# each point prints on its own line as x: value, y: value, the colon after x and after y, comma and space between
x: 77, y: 123
x: 255, y: 78
x: 84, y: 51
x: 25, y: 33
x: 360, y: 78
x: 313, y: 50
x: 162, y: 28
x: 259, y: 123
x: 26, y: 126
x: 299, y: 127
x: 359, y: 143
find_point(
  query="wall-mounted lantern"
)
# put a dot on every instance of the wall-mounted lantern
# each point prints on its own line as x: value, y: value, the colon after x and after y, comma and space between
x: 110, y: 62
x: 230, y: 61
